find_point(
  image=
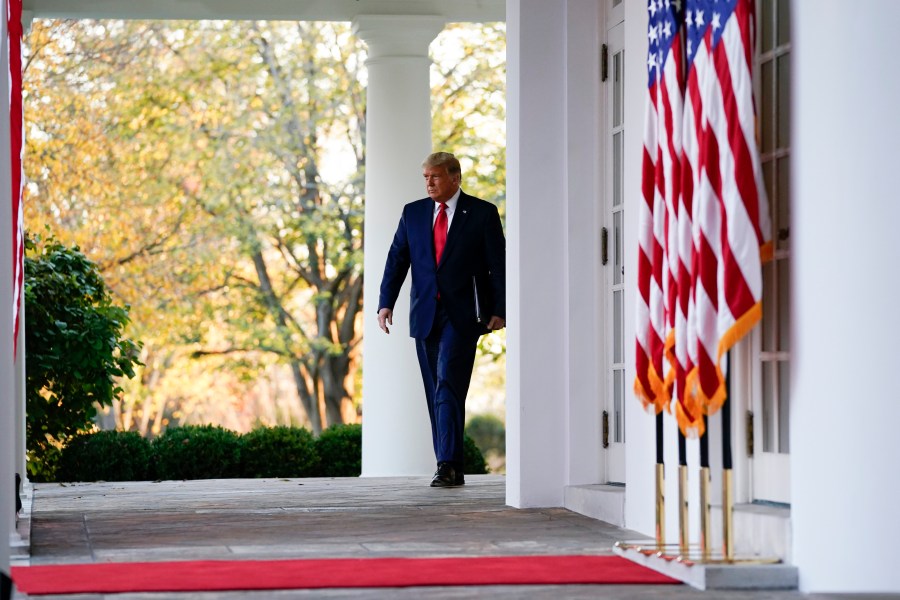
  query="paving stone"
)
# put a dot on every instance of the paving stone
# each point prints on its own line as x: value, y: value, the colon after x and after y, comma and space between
x: 324, y: 517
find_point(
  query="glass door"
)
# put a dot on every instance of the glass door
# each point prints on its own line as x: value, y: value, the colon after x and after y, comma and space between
x: 614, y: 263
x: 772, y: 352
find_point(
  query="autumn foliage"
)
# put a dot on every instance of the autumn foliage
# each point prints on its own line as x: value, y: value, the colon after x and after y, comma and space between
x: 214, y: 171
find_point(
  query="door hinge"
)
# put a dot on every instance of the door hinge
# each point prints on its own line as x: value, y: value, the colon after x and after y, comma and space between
x: 604, y: 62
x: 605, y: 429
x: 604, y: 246
x: 749, y: 433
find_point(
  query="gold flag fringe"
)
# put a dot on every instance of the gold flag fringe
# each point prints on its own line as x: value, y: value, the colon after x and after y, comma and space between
x: 657, y: 396
x: 710, y: 404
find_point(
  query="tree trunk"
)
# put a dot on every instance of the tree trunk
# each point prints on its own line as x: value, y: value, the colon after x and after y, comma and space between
x: 310, y: 405
x: 307, y: 398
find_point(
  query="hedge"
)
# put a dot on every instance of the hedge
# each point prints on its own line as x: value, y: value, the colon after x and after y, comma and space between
x: 279, y: 452
x: 106, y: 456
x: 197, y: 452
x: 211, y: 452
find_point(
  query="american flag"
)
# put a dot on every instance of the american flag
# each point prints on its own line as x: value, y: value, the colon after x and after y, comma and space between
x: 731, y: 226
x: 14, y: 46
x: 661, y: 184
x: 720, y: 218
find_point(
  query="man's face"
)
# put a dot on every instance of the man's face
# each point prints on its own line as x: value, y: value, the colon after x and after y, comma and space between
x: 440, y: 184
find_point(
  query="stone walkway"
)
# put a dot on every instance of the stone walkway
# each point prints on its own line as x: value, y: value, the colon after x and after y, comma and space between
x: 322, y: 518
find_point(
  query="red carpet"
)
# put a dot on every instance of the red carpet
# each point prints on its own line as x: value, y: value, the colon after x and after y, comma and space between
x: 196, y: 576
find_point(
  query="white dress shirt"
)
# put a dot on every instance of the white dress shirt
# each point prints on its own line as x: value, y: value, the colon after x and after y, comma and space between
x: 451, y: 208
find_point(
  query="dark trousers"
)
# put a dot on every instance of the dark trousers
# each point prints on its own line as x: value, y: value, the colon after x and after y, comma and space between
x: 446, y: 359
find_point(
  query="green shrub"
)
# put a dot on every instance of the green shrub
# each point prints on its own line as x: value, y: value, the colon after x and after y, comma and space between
x: 279, y: 452
x: 197, y: 452
x: 340, y: 451
x: 76, y: 347
x: 106, y: 456
x: 489, y: 433
x: 473, y: 459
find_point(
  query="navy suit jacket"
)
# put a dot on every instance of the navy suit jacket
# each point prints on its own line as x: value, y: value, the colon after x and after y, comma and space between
x: 474, y: 255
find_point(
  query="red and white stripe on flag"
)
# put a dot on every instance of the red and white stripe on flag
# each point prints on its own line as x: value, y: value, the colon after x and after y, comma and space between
x: 661, y: 184
x: 704, y: 225
x: 730, y: 220
x: 16, y: 131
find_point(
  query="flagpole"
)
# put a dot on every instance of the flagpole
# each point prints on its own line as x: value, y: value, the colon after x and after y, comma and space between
x: 660, y: 486
x: 704, y: 491
x: 683, y: 530
x: 727, y: 483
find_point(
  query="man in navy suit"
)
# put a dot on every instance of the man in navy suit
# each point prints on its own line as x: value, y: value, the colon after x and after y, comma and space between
x: 455, y: 247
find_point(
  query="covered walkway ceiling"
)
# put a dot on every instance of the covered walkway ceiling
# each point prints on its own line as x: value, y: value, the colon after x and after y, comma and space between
x: 294, y: 10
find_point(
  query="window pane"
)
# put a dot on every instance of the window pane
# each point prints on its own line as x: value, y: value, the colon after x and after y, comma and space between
x: 769, y: 307
x: 784, y: 101
x: 766, y: 104
x: 768, y: 406
x: 784, y: 405
x: 617, y: 89
x: 766, y: 22
x: 618, y: 341
x: 784, y: 304
x: 618, y: 265
x: 618, y: 139
x: 769, y: 180
x: 618, y: 407
x: 784, y: 22
x: 782, y: 205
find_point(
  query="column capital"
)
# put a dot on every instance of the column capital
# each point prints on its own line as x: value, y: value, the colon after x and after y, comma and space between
x: 398, y: 35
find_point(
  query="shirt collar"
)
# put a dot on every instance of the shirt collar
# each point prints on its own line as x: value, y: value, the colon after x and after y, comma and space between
x: 451, y: 203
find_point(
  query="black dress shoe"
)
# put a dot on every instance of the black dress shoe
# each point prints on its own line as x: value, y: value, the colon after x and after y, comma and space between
x: 447, y: 476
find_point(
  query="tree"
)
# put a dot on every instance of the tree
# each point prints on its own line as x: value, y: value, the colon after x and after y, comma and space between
x: 469, y: 85
x: 227, y: 136
x: 194, y: 162
x: 75, y: 347
x: 109, y: 166
x: 469, y: 90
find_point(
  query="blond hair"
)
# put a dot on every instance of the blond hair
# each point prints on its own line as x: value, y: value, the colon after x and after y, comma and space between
x: 443, y: 159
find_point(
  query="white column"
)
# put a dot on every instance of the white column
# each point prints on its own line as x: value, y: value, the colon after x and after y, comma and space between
x: 585, y: 323
x: 537, y: 320
x: 845, y: 322
x: 396, y: 430
x: 7, y: 387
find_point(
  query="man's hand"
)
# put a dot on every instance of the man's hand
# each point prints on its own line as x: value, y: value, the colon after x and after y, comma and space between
x: 385, y: 318
x: 496, y: 323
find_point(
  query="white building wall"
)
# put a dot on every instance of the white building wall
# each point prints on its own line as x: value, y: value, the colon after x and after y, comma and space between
x: 845, y: 406
x: 556, y: 319
x: 640, y: 432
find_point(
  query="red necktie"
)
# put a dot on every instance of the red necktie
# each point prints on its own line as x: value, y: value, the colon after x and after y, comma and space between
x: 440, y: 233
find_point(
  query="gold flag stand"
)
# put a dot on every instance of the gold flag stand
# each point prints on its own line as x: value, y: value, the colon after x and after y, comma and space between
x: 705, y: 521
x: 699, y: 564
x: 660, y: 506
x: 727, y: 514
x: 683, y: 529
